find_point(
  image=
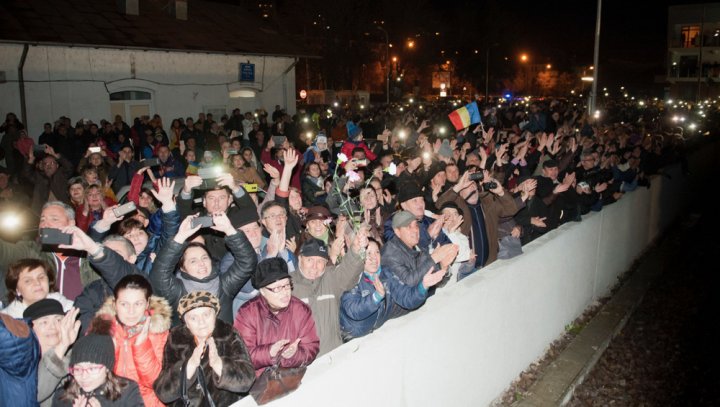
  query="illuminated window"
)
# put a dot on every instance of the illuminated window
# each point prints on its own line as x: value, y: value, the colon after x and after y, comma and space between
x: 690, y: 36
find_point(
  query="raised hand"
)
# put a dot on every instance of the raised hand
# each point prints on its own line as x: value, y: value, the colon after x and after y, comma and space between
x: 191, y: 181
x: 80, y: 241
x: 142, y: 336
x: 379, y: 287
x: 227, y: 180
x: 69, y: 328
x: 186, y: 230
x: 222, y: 223
x: 435, y: 228
x: 271, y: 171
x: 164, y: 194
x: 290, y: 157
x: 214, y: 359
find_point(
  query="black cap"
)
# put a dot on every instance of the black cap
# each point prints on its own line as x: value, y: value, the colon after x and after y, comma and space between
x: 550, y: 163
x: 269, y: 271
x: 314, y: 247
x: 451, y: 204
x: 97, y: 349
x: 408, y: 190
x: 239, y: 218
x: 43, y: 308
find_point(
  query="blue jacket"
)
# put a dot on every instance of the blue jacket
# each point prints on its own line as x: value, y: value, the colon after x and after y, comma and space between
x: 158, y: 236
x: 363, y: 311
x: 19, y: 359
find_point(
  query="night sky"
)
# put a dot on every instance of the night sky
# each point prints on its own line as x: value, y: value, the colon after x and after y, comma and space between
x: 633, y: 45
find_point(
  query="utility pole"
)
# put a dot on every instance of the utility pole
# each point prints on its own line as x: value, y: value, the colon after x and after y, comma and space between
x: 596, y: 62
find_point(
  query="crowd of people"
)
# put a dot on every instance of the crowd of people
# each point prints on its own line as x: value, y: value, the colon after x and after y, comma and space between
x: 265, y: 239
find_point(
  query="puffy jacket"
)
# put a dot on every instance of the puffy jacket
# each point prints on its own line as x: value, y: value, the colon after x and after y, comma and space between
x: 237, y: 371
x: 141, y: 363
x: 361, y: 312
x: 407, y: 264
x: 260, y: 329
x: 323, y: 295
x: 19, y: 356
x: 166, y: 284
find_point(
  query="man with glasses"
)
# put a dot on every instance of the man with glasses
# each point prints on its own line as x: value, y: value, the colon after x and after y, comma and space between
x: 276, y: 326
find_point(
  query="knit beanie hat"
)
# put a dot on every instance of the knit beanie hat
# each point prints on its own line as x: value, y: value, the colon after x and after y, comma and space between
x: 97, y: 349
x: 353, y: 130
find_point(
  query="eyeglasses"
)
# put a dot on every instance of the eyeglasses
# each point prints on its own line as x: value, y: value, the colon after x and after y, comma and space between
x: 276, y: 216
x: 279, y: 289
x: 85, y: 370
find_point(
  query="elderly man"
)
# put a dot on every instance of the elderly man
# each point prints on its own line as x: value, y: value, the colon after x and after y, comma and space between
x: 50, y: 177
x: 72, y: 272
x: 403, y: 257
x: 320, y: 284
x: 411, y: 199
x: 483, y: 210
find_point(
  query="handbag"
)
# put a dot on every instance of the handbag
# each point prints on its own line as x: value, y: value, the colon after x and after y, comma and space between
x: 201, y: 383
x: 276, y: 381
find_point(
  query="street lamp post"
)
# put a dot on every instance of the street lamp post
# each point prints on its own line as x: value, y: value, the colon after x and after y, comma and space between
x: 387, y: 63
x: 596, y: 62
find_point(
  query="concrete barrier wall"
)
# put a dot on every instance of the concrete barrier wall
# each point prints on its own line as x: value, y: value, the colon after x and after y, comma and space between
x: 470, y: 340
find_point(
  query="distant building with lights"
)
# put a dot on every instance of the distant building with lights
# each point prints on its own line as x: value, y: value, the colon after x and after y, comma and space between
x: 693, y: 61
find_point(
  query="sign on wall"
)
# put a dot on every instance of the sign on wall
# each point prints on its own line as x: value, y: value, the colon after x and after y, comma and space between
x: 247, y: 72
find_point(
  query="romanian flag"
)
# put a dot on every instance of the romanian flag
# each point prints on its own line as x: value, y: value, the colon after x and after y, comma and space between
x: 465, y: 116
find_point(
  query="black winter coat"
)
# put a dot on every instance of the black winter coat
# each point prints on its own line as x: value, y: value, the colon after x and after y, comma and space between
x: 167, y: 284
x: 238, y: 373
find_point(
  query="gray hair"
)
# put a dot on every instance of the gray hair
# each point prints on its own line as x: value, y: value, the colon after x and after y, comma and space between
x: 69, y: 211
x: 270, y: 204
x: 117, y: 238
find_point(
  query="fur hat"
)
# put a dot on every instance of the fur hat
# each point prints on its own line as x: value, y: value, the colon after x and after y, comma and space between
x: 197, y: 299
x: 269, y: 271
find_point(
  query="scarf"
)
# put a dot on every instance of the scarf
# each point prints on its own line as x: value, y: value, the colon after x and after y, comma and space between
x: 210, y: 283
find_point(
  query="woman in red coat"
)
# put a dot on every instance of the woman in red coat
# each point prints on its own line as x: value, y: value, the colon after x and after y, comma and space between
x: 138, y: 322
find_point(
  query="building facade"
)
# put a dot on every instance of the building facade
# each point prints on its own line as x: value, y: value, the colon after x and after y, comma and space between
x: 133, y: 58
x: 693, y: 62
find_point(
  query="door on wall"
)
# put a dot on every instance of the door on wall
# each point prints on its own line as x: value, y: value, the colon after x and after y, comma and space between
x: 131, y: 104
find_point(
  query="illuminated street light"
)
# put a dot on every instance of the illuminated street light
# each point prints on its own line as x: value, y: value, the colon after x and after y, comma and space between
x: 587, y: 79
x: 523, y: 57
x: 394, y: 59
x: 548, y: 66
x: 411, y: 44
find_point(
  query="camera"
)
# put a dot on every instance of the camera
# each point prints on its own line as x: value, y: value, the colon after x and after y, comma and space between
x: 124, y: 209
x: 250, y: 187
x: 150, y: 162
x: 49, y: 236
x: 476, y: 176
x: 202, y: 221
x: 487, y: 186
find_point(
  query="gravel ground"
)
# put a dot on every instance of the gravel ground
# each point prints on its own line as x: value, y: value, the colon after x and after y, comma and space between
x: 668, y: 354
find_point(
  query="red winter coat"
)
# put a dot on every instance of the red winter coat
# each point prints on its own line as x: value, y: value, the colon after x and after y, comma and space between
x: 348, y: 147
x: 260, y: 329
x: 140, y: 363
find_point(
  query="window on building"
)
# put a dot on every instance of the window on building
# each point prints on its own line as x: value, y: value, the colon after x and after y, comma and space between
x: 130, y: 95
x: 690, y: 36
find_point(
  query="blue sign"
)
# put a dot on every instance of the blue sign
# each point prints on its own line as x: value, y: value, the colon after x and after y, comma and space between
x: 247, y: 72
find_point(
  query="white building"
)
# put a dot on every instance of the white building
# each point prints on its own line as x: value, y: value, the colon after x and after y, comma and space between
x: 94, y: 59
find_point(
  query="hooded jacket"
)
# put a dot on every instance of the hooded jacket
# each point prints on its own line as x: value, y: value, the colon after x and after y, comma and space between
x: 141, y: 363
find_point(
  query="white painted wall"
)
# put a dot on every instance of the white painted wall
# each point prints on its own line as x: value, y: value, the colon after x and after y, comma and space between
x: 76, y: 82
x: 472, y: 339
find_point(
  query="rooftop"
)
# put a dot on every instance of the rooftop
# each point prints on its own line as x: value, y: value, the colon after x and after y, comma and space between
x: 210, y: 27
